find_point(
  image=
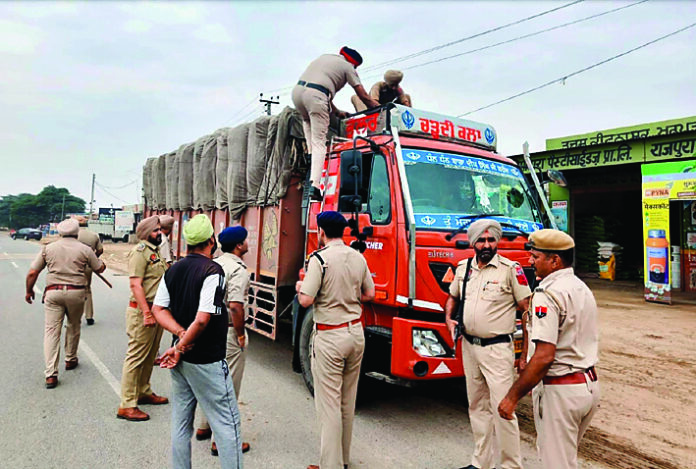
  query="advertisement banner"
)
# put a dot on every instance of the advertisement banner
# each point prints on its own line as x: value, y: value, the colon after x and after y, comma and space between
x: 662, y: 182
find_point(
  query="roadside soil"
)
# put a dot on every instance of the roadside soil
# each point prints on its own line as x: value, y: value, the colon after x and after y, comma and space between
x: 647, y: 371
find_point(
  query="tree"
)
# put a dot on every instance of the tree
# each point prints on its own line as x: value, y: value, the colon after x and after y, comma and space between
x: 27, y: 210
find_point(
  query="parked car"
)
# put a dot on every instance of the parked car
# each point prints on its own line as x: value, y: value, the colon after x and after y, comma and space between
x: 27, y: 233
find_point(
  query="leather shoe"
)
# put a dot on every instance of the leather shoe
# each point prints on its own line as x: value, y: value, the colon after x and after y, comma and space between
x: 316, y: 194
x: 203, y: 434
x: 71, y: 364
x: 153, y: 399
x: 132, y: 414
x: 90, y: 321
x: 214, y: 451
x: 51, y: 382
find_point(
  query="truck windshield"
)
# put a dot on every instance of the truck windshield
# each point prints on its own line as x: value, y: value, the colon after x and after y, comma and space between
x: 447, y: 186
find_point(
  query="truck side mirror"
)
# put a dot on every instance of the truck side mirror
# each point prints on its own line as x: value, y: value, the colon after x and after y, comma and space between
x: 351, y: 181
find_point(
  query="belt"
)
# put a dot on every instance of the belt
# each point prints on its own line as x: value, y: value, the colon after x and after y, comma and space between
x: 133, y: 304
x: 573, y: 378
x: 329, y: 327
x: 489, y: 341
x: 64, y: 287
x: 314, y: 86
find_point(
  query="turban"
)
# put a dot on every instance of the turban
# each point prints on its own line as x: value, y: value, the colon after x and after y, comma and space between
x: 331, y: 218
x: 232, y: 235
x: 69, y: 227
x: 393, y: 77
x: 351, y: 55
x: 198, y: 229
x: 477, y: 228
x: 550, y: 240
x: 146, y: 227
x: 166, y: 222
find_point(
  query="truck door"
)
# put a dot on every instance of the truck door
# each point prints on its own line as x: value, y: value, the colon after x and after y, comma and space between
x: 376, y: 216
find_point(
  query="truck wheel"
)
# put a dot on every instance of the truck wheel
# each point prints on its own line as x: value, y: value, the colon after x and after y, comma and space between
x: 306, y: 339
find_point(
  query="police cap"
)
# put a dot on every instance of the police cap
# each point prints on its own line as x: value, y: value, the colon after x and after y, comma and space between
x: 550, y: 240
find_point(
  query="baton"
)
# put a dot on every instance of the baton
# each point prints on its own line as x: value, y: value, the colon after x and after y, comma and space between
x: 104, y: 280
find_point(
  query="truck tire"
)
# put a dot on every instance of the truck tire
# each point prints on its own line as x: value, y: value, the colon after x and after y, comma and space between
x: 306, y: 339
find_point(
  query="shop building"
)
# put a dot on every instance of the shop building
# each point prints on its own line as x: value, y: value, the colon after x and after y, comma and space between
x: 634, y: 187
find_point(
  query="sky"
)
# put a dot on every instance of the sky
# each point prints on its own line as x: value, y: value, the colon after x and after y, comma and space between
x: 98, y: 87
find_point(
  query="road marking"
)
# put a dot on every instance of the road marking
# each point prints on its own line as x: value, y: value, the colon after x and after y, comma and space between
x: 101, y: 367
x: 14, y: 264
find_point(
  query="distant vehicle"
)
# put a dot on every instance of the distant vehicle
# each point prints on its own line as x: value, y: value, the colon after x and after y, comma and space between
x: 27, y: 233
x: 116, y: 227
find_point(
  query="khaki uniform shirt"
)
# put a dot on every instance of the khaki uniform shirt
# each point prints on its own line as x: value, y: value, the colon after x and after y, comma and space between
x: 236, y: 279
x: 66, y: 260
x: 492, y: 294
x: 564, y: 313
x: 90, y: 238
x: 144, y: 262
x: 337, y: 292
x: 332, y: 72
x: 165, y: 250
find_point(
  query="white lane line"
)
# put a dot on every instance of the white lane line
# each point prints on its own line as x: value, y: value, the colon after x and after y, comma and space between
x: 14, y: 264
x: 101, y: 367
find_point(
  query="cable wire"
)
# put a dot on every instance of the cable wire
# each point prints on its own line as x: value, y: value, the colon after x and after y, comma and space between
x: 101, y: 188
x: 120, y: 187
x: 236, y: 114
x: 525, y: 36
x: 483, y: 33
x: 577, y: 72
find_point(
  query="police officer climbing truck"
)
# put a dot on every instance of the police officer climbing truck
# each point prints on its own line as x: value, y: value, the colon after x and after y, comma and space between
x: 409, y: 182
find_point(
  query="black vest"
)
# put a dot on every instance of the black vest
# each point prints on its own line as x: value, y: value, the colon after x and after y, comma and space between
x: 184, y: 281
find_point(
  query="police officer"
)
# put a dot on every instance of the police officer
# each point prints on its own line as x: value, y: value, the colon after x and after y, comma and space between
x: 495, y: 289
x: 145, y: 269
x: 64, y: 295
x: 313, y: 95
x: 337, y: 282
x: 91, y: 239
x: 386, y: 91
x: 165, y: 248
x: 563, y: 349
x: 233, y: 243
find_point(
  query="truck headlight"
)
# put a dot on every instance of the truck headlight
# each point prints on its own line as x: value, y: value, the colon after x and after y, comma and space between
x: 427, y: 343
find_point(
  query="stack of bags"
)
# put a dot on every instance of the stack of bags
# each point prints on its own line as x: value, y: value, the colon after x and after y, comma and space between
x: 588, y: 231
x: 608, y: 259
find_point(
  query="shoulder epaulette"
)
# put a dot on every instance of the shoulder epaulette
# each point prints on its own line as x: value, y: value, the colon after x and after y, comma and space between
x: 140, y: 247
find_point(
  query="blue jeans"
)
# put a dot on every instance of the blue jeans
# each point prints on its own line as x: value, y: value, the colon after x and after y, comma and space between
x: 211, y: 386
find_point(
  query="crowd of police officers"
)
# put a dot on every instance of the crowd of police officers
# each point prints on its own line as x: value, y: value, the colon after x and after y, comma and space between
x: 196, y: 298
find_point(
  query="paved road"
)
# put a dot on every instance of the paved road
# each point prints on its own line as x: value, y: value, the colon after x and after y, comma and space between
x: 74, y: 426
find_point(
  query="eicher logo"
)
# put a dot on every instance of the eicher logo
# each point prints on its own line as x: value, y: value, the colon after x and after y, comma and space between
x: 489, y: 135
x: 412, y: 155
x: 408, y: 119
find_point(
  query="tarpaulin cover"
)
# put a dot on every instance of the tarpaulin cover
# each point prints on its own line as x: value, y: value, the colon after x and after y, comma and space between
x: 206, y: 174
x: 185, y: 157
x: 172, y: 180
x: 221, y: 171
x: 197, y: 181
x: 161, y: 182
x: 147, y: 181
x: 256, y: 158
x: 236, y: 170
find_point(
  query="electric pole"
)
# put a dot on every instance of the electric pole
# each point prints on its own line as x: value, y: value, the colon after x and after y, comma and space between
x: 268, y: 103
x: 91, y: 199
x: 62, y: 208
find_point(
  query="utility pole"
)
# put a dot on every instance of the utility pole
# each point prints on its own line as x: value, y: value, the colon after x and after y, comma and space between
x: 62, y: 208
x: 91, y: 199
x: 268, y: 103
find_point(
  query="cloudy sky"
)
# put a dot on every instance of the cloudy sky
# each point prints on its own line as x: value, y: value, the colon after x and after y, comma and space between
x: 97, y: 87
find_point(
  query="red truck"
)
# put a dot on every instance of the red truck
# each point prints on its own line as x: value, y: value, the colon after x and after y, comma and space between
x: 410, y: 182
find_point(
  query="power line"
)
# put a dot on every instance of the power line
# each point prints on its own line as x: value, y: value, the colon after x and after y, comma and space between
x: 483, y: 33
x: 121, y: 187
x: 239, y: 111
x: 285, y: 89
x: 577, y: 72
x: 525, y: 36
x: 258, y: 109
x: 109, y: 193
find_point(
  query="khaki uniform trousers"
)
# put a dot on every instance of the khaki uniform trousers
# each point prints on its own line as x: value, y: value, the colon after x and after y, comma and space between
x: 315, y: 110
x: 236, y: 359
x: 490, y: 373
x: 336, y: 358
x: 562, y: 413
x: 89, y: 306
x: 143, y: 344
x: 57, y: 305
